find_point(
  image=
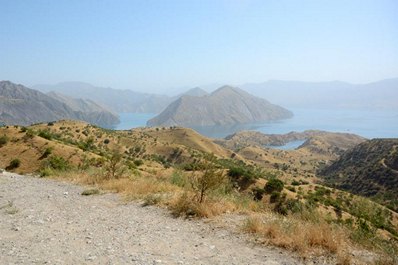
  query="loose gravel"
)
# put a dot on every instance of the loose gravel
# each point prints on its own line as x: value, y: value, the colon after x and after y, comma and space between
x: 44, y: 221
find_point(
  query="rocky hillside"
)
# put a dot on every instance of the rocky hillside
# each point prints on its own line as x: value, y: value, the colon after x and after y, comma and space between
x: 24, y: 106
x: 370, y: 169
x: 225, y: 106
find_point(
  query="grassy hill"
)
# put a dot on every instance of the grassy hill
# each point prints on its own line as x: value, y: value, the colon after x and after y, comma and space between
x: 193, y: 176
x: 370, y: 169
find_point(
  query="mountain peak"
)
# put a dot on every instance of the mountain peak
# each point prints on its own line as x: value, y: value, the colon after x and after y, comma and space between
x: 226, y: 106
x: 196, y: 92
x: 227, y: 89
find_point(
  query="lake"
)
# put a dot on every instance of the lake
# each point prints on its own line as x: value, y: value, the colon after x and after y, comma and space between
x: 369, y: 124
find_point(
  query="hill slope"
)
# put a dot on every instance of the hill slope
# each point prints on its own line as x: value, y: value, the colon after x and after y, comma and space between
x: 370, y: 169
x: 24, y: 106
x: 225, y: 106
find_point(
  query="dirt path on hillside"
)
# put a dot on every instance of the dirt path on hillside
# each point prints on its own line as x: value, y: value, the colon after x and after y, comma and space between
x: 44, y: 221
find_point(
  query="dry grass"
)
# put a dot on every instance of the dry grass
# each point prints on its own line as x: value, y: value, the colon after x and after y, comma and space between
x: 139, y: 188
x: 296, y: 235
x: 185, y: 205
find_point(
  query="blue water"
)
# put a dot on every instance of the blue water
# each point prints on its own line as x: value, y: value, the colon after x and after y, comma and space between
x: 133, y: 120
x: 369, y: 124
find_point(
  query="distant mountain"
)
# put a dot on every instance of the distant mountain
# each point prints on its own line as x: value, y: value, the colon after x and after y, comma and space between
x: 335, y: 94
x: 195, y: 92
x: 94, y: 113
x: 369, y: 169
x: 24, y: 106
x: 115, y: 99
x: 227, y: 105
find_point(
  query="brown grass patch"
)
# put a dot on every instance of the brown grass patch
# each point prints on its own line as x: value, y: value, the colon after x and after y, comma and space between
x: 138, y: 188
x: 297, y: 235
x: 186, y: 206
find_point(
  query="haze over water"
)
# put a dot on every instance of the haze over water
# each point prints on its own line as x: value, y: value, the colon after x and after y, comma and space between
x: 369, y: 124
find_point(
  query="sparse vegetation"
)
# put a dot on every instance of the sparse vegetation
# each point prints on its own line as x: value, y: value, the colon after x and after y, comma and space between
x: 89, y: 192
x: 3, y: 140
x: 154, y: 167
x: 15, y: 163
x: 114, y: 166
x: 210, y: 179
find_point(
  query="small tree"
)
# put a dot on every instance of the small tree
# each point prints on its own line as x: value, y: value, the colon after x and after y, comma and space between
x: 210, y: 179
x: 114, y: 165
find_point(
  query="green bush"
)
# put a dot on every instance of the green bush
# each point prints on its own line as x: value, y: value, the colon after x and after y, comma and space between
x: 138, y: 162
x: 57, y: 163
x: 47, y: 152
x: 274, y: 184
x: 178, y: 179
x: 258, y: 193
x: 46, y: 134
x: 15, y: 163
x: 3, y: 140
x: 295, y: 183
x: 275, y: 196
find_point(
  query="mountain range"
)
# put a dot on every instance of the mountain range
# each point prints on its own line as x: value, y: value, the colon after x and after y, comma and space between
x: 225, y: 106
x: 24, y: 106
x: 292, y: 94
x: 336, y: 94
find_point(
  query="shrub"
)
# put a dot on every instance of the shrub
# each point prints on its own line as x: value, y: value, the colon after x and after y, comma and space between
x: 295, y: 183
x: 210, y: 179
x: 274, y: 184
x: 45, y: 172
x: 292, y: 189
x: 46, y: 134
x: 47, y: 152
x: 3, y: 140
x: 14, y: 164
x: 138, y: 162
x: 114, y: 165
x: 242, y: 175
x: 106, y: 141
x: 275, y: 196
x: 178, y: 179
x: 258, y: 193
x: 57, y: 163
x: 29, y: 133
x: 89, y: 192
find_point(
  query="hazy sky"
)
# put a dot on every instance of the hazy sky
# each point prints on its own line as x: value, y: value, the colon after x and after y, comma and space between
x: 154, y: 45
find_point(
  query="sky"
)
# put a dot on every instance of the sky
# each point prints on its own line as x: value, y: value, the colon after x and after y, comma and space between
x: 154, y: 46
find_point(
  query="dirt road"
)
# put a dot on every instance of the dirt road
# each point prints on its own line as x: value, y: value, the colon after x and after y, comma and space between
x: 44, y: 221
